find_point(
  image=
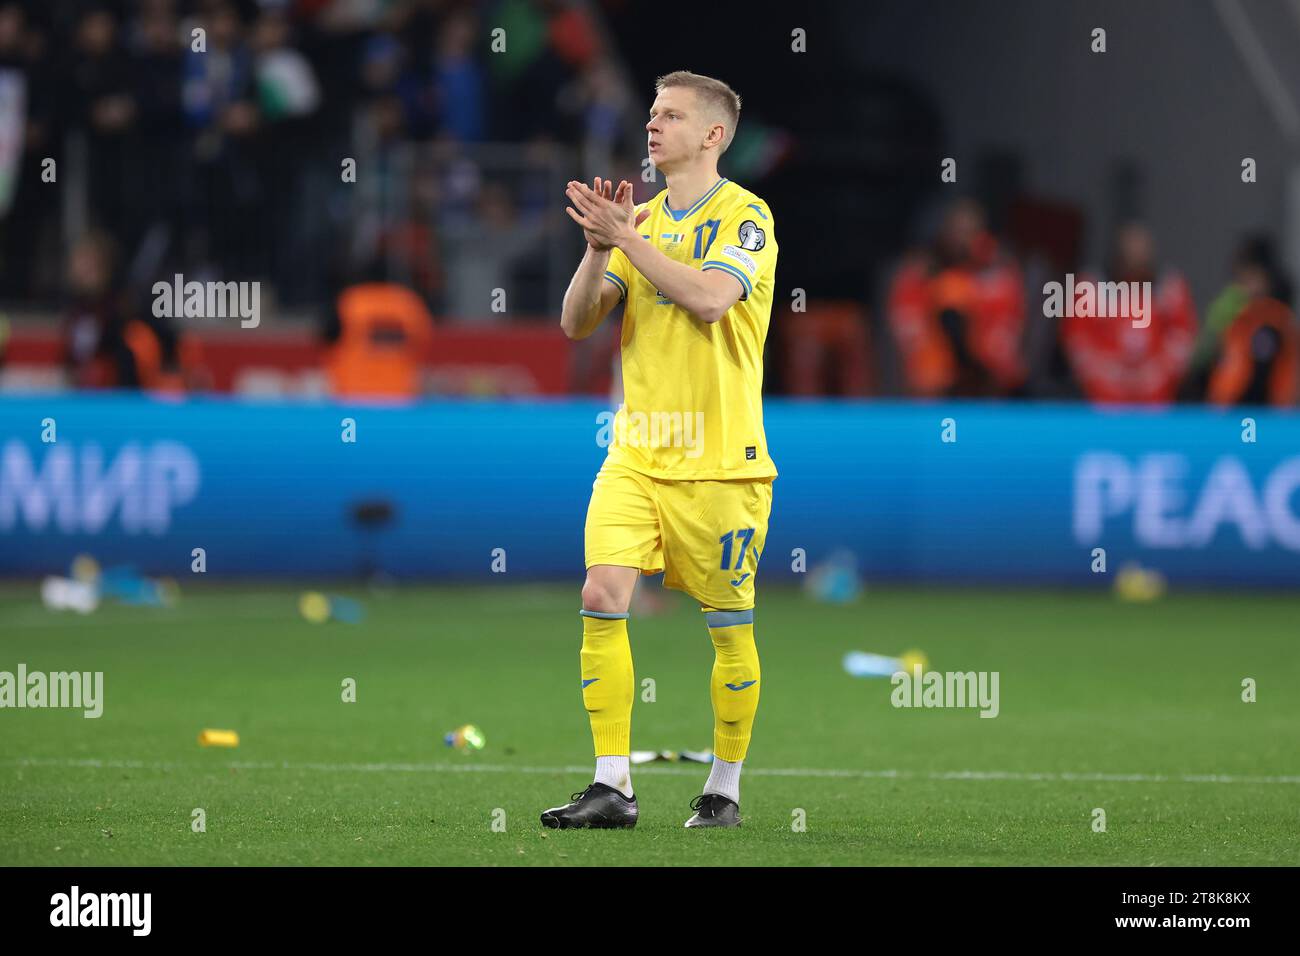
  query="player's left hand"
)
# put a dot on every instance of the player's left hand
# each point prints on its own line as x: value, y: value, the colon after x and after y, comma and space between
x: 609, y: 223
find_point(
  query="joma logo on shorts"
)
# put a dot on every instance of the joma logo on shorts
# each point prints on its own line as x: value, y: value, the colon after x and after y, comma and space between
x: 652, y: 430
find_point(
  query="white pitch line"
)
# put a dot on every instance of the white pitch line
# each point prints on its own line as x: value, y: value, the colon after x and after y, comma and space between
x: 692, y: 770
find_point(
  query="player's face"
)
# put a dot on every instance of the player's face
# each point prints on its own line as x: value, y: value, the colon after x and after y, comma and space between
x: 676, y: 130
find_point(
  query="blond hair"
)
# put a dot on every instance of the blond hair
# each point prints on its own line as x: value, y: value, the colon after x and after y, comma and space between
x: 719, y: 100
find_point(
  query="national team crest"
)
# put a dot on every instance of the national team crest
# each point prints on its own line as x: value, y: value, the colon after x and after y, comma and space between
x: 751, y: 237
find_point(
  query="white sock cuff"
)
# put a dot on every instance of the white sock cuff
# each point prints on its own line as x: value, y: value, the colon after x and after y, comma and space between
x: 724, y: 778
x: 615, y: 771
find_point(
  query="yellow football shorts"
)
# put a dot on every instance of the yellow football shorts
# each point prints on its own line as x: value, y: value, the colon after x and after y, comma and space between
x: 706, y: 536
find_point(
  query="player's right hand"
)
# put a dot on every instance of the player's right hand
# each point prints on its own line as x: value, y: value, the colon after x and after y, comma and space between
x: 622, y: 196
x: 603, y: 187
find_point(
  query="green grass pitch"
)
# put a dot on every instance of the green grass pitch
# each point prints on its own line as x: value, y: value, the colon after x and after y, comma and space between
x: 1127, y: 708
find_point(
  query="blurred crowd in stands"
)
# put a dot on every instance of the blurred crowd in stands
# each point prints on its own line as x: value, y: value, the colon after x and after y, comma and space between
x: 967, y: 322
x: 220, y: 156
x: 212, y: 132
x: 964, y: 320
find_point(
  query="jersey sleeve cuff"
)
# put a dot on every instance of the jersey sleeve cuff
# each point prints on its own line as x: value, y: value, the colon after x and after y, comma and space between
x: 622, y: 286
x: 745, y: 283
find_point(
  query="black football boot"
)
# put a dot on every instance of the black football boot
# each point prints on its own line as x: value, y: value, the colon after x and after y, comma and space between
x: 598, y: 807
x: 714, y: 810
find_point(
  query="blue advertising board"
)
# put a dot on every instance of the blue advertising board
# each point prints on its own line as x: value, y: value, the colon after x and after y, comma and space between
x: 997, y: 492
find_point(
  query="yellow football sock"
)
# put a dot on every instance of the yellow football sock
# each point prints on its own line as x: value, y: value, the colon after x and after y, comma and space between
x: 734, y: 683
x: 607, y: 681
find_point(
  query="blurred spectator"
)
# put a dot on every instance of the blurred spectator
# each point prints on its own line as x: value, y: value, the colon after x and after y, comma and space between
x: 1259, y: 357
x: 1115, y: 360
x: 379, y: 335
x: 957, y: 312
x: 481, y: 252
x: 1256, y: 274
x: 219, y: 106
x: 287, y: 155
x: 381, y: 56
x: 286, y: 83
x: 598, y: 101
x: 98, y: 99
x: 532, y: 78
x: 104, y: 347
x: 410, y: 244
x: 156, y: 52
x: 157, y: 164
x: 525, y: 25
x: 459, y: 80
x: 441, y: 84
x: 25, y: 135
x: 572, y: 34
x: 827, y: 349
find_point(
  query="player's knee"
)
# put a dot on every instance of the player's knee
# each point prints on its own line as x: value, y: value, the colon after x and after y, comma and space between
x: 734, y: 647
x: 598, y: 595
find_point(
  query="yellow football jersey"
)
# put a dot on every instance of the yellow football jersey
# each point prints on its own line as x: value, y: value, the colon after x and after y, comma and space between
x: 693, y: 405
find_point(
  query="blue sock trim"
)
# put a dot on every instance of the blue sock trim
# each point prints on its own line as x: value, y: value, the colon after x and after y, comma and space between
x: 728, y: 618
x: 604, y: 615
